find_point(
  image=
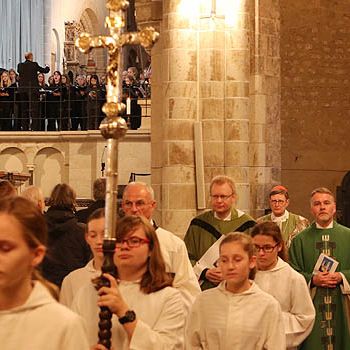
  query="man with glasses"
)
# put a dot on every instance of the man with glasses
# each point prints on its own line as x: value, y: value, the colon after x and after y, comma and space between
x: 290, y: 224
x: 206, y: 231
x: 330, y: 289
x: 138, y: 199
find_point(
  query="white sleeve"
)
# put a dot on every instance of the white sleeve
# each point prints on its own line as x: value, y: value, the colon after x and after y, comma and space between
x: 66, y: 293
x: 192, y: 333
x: 75, y: 337
x: 167, y: 332
x: 185, y: 279
x: 276, y: 338
x: 298, y: 322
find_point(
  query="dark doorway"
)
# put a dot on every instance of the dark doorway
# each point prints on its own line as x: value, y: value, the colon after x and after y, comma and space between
x: 343, y: 201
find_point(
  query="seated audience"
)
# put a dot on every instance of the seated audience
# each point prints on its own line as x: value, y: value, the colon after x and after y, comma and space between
x: 237, y: 314
x: 30, y: 317
x: 147, y: 312
x: 276, y: 277
x: 99, y: 194
x: 7, y: 189
x: 67, y: 248
x: 35, y: 195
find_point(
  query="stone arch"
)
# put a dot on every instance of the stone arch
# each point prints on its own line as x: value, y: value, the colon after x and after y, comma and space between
x: 89, y: 23
x: 55, y: 51
x: 49, y: 169
x: 343, y: 200
x: 13, y: 159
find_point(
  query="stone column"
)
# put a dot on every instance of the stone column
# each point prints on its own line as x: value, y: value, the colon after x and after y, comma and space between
x: 265, y: 91
x: 205, y: 70
x: 47, y: 32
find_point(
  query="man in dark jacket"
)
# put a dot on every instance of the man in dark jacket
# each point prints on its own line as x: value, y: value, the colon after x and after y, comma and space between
x: 29, y: 91
x: 99, y: 193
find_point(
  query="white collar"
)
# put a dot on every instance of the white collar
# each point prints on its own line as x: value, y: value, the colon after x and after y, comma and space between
x: 227, y: 218
x: 281, y: 218
x: 323, y: 228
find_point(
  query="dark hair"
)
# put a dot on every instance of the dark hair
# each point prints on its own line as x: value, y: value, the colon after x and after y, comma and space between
x: 94, y: 76
x: 269, y: 228
x: 279, y: 189
x: 34, y: 229
x: 247, y: 244
x: 99, y: 189
x: 63, y: 197
x: 97, y: 214
x: 155, y: 278
x: 7, y: 189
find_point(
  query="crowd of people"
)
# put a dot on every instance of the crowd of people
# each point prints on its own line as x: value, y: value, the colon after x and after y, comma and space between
x: 63, y: 102
x: 233, y: 282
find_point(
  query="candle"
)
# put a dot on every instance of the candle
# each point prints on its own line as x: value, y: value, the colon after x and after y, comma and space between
x: 128, y: 106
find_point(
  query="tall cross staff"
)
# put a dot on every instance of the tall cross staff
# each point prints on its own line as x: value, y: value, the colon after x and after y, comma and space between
x: 113, y: 127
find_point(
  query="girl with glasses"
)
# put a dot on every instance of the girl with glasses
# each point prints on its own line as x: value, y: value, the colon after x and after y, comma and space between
x: 277, y: 278
x: 147, y: 312
x: 30, y: 317
x: 237, y: 314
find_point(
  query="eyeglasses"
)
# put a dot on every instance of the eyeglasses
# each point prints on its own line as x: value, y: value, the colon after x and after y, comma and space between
x: 222, y: 197
x: 132, y: 242
x: 138, y: 204
x: 279, y: 201
x: 265, y: 248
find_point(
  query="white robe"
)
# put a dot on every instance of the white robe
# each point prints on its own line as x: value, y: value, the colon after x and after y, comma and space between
x: 290, y: 289
x: 75, y: 280
x: 160, y: 317
x: 176, y: 259
x: 221, y: 320
x: 41, y: 323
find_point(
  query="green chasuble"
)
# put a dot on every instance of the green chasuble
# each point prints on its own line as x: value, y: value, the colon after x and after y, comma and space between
x: 198, y: 240
x: 331, y: 328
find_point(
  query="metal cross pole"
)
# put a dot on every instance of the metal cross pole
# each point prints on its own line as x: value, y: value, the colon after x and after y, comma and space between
x: 113, y: 127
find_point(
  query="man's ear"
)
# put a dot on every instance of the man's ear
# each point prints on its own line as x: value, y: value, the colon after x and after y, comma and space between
x: 38, y: 255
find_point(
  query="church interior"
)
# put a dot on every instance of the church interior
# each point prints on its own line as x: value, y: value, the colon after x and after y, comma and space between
x: 254, y: 89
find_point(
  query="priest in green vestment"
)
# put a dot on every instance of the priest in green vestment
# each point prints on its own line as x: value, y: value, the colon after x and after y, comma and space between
x: 203, y: 235
x: 330, y: 290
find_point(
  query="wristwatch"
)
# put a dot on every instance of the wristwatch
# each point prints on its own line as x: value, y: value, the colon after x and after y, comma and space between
x: 129, y: 316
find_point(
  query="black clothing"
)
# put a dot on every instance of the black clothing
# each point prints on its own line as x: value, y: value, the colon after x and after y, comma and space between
x: 84, y: 214
x: 79, y: 115
x: 29, y: 95
x: 67, y: 248
x: 6, y: 103
x: 55, y: 101
x: 94, y: 106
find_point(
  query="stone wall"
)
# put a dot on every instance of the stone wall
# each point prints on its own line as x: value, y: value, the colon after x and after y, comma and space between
x: 315, y: 104
x: 72, y: 157
x: 224, y: 76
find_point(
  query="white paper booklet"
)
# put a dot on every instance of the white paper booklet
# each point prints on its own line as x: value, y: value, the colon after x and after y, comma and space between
x: 325, y: 263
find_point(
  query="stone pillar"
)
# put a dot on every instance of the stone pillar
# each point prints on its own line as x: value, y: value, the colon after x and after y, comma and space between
x: 265, y: 91
x: 47, y: 32
x: 215, y: 71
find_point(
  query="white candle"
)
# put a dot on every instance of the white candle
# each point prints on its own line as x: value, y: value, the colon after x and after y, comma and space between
x: 128, y: 106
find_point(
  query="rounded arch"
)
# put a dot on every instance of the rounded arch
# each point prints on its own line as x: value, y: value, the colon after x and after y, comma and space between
x: 49, y: 169
x: 89, y: 23
x: 13, y: 159
x: 55, y: 50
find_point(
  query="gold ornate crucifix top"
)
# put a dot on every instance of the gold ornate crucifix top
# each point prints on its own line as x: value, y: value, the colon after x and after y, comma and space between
x: 114, y: 43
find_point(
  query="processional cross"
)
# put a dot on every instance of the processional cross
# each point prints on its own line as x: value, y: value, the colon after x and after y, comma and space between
x: 113, y: 127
